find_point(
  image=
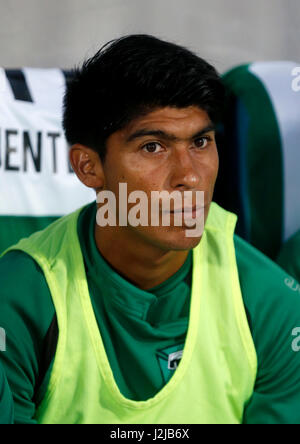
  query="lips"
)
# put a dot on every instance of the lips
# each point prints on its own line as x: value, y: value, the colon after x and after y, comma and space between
x: 188, y: 213
x: 187, y: 210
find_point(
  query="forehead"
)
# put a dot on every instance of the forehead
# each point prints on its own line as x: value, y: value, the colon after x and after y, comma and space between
x: 178, y: 121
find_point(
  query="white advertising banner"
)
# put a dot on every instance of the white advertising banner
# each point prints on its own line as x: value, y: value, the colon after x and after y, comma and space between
x: 35, y: 176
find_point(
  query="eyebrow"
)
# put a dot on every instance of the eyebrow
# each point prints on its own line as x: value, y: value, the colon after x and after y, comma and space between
x: 165, y: 135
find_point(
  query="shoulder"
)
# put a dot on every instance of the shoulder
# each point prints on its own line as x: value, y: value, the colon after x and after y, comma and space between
x: 24, y: 292
x: 260, y: 276
x: 271, y: 302
x: 263, y: 282
x: 18, y: 264
x: 289, y: 257
x: 19, y: 270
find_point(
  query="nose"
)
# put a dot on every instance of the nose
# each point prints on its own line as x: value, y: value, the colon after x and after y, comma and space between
x: 184, y: 172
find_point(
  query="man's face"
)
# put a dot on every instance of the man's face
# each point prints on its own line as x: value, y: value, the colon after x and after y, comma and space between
x: 169, y: 149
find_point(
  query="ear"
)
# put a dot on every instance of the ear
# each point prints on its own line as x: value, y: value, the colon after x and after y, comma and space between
x: 87, y: 165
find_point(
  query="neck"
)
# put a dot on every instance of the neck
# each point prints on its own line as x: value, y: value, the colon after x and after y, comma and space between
x: 143, y: 264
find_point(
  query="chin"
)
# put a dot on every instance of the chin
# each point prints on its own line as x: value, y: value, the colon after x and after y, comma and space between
x: 177, y: 241
x: 166, y: 238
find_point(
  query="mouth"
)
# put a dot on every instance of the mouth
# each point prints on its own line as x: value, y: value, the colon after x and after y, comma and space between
x: 189, y: 212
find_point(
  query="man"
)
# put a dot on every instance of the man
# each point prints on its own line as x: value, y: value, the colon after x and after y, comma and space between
x: 6, y: 403
x: 143, y: 323
x: 289, y: 258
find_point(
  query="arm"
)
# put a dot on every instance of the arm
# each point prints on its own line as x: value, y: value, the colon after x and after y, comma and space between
x: 26, y: 312
x: 6, y: 402
x: 273, y: 310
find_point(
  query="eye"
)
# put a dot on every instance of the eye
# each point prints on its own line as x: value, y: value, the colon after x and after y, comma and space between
x: 152, y: 147
x: 202, y: 142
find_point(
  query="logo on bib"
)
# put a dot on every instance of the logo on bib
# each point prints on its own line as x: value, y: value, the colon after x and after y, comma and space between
x: 169, y: 359
x: 174, y: 359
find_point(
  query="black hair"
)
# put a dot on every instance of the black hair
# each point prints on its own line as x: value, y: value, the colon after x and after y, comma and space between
x: 131, y: 76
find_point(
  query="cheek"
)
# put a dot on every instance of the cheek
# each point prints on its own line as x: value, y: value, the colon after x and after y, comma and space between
x: 143, y: 176
x: 216, y: 169
x: 116, y: 172
x: 209, y: 168
x: 213, y: 163
x: 130, y: 173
